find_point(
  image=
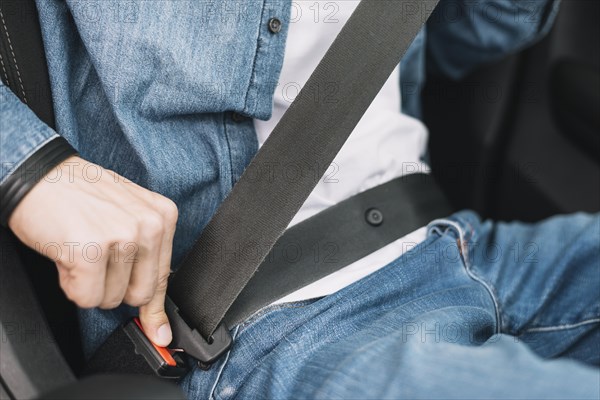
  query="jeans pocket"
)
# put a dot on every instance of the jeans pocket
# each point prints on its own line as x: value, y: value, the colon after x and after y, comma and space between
x: 442, y: 227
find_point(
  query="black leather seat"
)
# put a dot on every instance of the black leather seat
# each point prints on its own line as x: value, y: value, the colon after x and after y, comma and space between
x: 113, y: 387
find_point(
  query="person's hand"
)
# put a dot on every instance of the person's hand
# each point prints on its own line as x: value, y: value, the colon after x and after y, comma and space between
x: 110, y: 238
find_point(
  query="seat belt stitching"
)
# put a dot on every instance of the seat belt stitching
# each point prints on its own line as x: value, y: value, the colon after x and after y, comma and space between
x: 12, y: 52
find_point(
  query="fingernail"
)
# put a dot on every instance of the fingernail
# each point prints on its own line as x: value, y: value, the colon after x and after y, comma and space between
x: 163, y: 335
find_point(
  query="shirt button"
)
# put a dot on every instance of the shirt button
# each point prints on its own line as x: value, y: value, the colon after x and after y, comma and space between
x: 374, y: 217
x: 274, y: 25
x: 237, y: 117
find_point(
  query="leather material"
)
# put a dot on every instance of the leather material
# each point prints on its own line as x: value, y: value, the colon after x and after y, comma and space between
x: 30, y: 360
x: 25, y: 72
x: 575, y: 89
x: 23, y: 56
x: 113, y: 387
x: 29, y: 173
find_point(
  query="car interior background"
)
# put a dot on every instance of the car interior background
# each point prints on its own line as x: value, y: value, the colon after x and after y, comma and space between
x: 486, y: 132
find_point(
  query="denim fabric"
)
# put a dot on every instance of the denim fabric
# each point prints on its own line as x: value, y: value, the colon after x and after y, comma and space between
x: 147, y: 89
x: 463, y: 34
x: 135, y: 82
x: 478, y: 310
x: 18, y: 121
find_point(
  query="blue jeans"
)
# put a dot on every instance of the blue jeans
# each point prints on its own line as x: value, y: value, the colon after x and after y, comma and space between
x: 478, y: 310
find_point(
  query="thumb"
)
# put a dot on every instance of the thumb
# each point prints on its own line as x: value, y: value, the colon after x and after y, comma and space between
x: 154, y: 319
x: 152, y: 315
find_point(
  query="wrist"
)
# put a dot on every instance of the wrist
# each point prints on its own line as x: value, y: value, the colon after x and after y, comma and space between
x: 29, y: 173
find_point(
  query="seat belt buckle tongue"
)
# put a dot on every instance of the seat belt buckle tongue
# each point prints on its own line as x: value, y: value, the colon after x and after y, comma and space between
x: 188, y: 339
x: 164, y: 362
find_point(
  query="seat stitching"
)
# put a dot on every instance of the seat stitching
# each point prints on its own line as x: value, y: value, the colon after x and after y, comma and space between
x: 12, y: 52
x: 4, y: 69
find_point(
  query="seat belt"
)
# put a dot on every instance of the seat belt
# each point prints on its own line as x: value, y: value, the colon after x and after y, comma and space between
x: 262, y: 203
x: 308, y: 136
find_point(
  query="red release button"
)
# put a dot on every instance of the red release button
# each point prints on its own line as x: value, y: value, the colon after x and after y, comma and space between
x: 164, y: 352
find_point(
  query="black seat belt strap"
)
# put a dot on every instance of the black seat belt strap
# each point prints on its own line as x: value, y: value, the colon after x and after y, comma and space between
x: 309, y: 135
x: 263, y: 202
x: 338, y: 236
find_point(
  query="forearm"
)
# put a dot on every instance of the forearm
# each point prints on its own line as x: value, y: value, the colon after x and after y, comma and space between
x: 28, y: 150
x: 463, y: 34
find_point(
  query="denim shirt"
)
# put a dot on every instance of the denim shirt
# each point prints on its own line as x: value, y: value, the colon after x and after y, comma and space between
x: 164, y: 92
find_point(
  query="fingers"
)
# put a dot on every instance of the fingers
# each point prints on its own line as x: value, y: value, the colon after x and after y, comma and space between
x: 144, y: 275
x: 83, y: 281
x: 152, y: 315
x: 118, y: 274
x: 111, y: 240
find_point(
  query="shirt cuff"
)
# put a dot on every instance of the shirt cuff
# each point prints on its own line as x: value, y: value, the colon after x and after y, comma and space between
x: 29, y: 173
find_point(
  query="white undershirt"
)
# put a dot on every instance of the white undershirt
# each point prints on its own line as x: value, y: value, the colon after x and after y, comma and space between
x: 385, y: 144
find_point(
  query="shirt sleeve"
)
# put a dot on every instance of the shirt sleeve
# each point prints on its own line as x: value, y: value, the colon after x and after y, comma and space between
x: 28, y: 150
x: 463, y: 34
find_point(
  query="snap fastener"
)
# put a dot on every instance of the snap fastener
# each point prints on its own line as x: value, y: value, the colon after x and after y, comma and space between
x: 374, y: 217
x: 274, y: 25
x: 237, y: 117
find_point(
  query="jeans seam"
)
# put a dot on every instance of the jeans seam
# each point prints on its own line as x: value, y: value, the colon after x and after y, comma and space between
x: 464, y: 252
x: 211, y: 395
x: 229, y: 155
x: 276, y: 307
x: 562, y: 327
x: 492, y: 293
x: 254, y: 60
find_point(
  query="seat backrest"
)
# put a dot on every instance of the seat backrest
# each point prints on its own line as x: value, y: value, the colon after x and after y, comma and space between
x: 31, y: 359
x: 25, y: 70
x: 496, y: 144
x: 31, y: 362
